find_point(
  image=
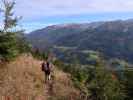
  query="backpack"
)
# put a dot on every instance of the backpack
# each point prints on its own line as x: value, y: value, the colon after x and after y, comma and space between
x: 46, y: 67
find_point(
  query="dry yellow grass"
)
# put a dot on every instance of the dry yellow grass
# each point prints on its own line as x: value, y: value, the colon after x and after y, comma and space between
x: 23, y: 79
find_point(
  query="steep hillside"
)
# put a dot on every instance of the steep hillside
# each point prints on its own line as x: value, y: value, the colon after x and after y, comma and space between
x: 23, y: 79
x: 51, y: 34
x: 112, y: 38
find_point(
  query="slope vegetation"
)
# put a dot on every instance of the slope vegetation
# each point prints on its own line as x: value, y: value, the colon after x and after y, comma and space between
x: 23, y: 79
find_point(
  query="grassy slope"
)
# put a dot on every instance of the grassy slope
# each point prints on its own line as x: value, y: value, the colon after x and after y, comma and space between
x: 23, y: 79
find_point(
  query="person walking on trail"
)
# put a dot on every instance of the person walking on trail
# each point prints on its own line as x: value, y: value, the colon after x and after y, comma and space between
x: 46, y: 68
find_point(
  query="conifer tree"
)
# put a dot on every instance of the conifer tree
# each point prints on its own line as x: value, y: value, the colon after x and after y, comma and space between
x: 103, y: 85
x: 8, y: 34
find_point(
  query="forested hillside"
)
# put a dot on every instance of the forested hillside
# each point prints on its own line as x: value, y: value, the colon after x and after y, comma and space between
x: 113, y: 39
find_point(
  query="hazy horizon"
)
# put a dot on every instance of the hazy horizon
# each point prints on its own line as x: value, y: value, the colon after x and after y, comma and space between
x: 42, y: 13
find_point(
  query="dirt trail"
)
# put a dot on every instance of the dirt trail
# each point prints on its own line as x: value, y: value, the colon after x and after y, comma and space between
x: 23, y: 79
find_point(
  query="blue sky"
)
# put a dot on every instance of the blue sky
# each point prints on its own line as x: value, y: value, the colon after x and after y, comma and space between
x: 41, y: 13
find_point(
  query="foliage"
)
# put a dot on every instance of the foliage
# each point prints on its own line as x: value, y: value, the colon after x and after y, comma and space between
x: 8, y: 49
x: 39, y: 55
x: 103, y: 85
x: 95, y: 82
x: 128, y: 82
x: 22, y: 44
x: 11, y: 42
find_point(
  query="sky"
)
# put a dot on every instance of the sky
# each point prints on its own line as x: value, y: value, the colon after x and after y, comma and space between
x: 38, y: 14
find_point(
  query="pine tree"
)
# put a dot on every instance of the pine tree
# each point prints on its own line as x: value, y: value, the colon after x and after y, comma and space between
x: 103, y: 85
x: 8, y: 34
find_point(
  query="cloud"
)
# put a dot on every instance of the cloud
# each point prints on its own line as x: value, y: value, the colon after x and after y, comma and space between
x: 44, y: 8
x: 36, y: 10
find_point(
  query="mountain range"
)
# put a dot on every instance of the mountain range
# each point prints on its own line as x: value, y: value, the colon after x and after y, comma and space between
x: 113, y: 39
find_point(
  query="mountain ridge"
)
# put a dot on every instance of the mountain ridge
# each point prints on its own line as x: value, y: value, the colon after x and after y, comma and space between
x: 111, y: 38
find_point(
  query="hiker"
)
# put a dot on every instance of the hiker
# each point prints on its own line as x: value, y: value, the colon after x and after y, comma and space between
x: 46, y: 68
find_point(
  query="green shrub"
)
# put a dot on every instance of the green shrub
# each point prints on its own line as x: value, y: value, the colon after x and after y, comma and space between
x: 10, y: 43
